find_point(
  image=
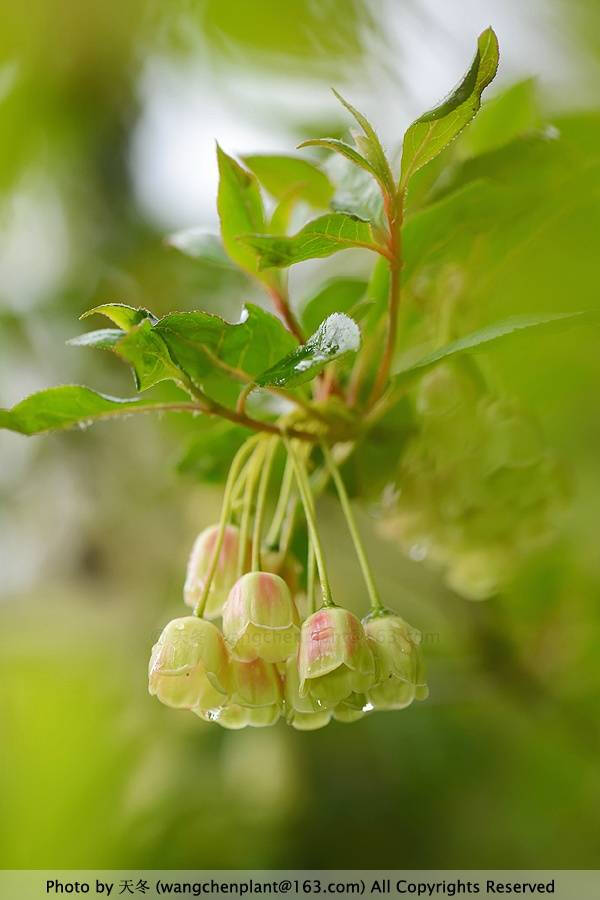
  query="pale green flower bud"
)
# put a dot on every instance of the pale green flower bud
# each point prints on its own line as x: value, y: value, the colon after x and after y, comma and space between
x: 515, y: 439
x: 334, y: 658
x: 479, y: 574
x: 256, y: 684
x: 189, y: 665
x: 294, y: 701
x: 351, y: 709
x: 226, y: 571
x: 309, y: 721
x: 399, y: 676
x: 260, y: 618
x: 235, y: 717
x: 442, y: 391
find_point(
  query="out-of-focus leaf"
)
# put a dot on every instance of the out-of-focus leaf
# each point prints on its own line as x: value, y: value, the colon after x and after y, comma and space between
x: 337, y: 295
x: 240, y: 210
x: 485, y: 338
x: 199, y: 340
x: 371, y: 147
x: 124, y: 317
x: 281, y: 174
x: 442, y: 226
x: 65, y: 407
x: 209, y: 455
x: 335, y: 337
x: 374, y: 462
x: 378, y: 292
x: 321, y: 237
x: 202, y: 245
x: 511, y: 114
x: 435, y: 129
x: 356, y: 192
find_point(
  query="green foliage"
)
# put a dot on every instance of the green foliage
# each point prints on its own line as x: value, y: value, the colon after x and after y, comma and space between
x: 435, y: 129
x: 321, y: 237
x: 240, y: 209
x: 198, y: 243
x: 285, y: 175
x: 124, y: 317
x: 64, y: 407
x: 337, y: 336
x: 486, y: 338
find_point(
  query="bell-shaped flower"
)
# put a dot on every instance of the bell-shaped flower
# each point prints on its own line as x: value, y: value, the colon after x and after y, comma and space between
x: 234, y: 717
x: 225, y: 574
x: 256, y: 684
x: 189, y: 665
x: 351, y: 709
x: 260, y: 619
x: 302, y: 713
x: 399, y: 676
x: 334, y: 658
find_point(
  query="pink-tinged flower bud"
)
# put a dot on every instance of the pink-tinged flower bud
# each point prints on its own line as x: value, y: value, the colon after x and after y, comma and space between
x: 334, y: 658
x: 399, y: 676
x: 260, y: 619
x: 189, y: 665
x: 226, y: 571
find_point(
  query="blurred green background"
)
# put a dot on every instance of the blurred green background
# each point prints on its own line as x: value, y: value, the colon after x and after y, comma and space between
x: 108, y: 116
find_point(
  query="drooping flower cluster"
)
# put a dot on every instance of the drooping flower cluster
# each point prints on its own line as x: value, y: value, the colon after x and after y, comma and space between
x: 266, y: 663
x: 476, y: 487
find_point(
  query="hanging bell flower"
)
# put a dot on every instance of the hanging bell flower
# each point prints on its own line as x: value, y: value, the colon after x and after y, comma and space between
x: 225, y: 573
x: 257, y: 685
x: 399, y: 676
x: 302, y: 713
x: 260, y: 619
x: 234, y: 717
x: 334, y: 658
x: 351, y: 709
x: 189, y: 665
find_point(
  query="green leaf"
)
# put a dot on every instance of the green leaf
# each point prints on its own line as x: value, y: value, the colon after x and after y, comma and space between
x: 335, y: 337
x: 321, y: 237
x: 336, y: 295
x: 281, y: 174
x: 198, y: 243
x: 144, y: 349
x: 240, y: 210
x: 65, y: 407
x: 124, y: 317
x: 487, y: 337
x: 103, y: 339
x: 343, y: 149
x: 198, y: 341
x: 435, y: 129
x: 371, y: 147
